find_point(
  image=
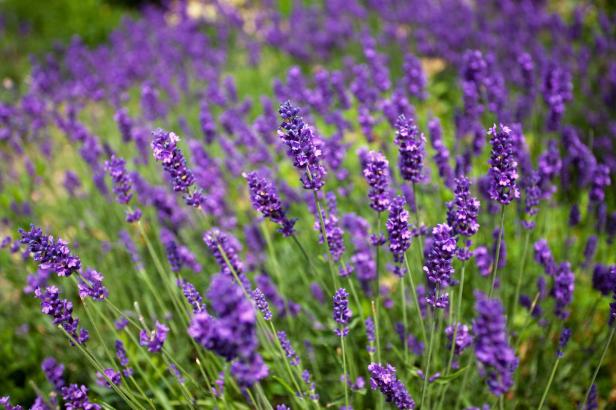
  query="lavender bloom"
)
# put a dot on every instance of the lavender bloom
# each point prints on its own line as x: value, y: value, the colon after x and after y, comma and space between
x: 592, y: 402
x: 288, y: 349
x: 414, y: 77
x: 108, y: 377
x: 262, y: 304
x: 563, y: 341
x: 61, y: 310
x: 503, y: 166
x: 462, y: 211
x: 191, y: 294
x: 483, y: 260
x: 362, y: 259
x: 463, y: 337
x: 376, y: 172
x: 221, y: 243
x: 590, y: 249
x: 71, y: 182
x: 438, y: 264
x: 604, y: 279
x: 497, y: 360
x: 398, y: 229
x: 6, y: 402
x: 342, y: 313
x: 385, y: 380
x: 76, y: 398
x: 50, y: 255
x: 121, y: 353
x: 265, y: 199
x: 333, y: 232
x: 91, y: 285
x: 441, y: 156
x: 165, y: 149
x: 303, y: 147
x: 411, y: 147
x: 125, y: 124
x: 370, y: 335
x: 134, y: 216
x: 544, y: 257
x: 563, y: 289
x: 154, y: 339
x: 600, y: 180
x: 54, y: 372
x: 122, y: 185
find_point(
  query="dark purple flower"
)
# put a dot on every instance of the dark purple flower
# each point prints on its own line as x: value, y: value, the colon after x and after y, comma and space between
x: 121, y: 353
x: 370, y: 335
x: 342, y: 313
x: 438, y: 264
x: 288, y: 349
x: 385, y: 380
x: 91, y: 285
x: 375, y: 168
x: 604, y: 279
x: 462, y: 211
x: 589, y: 249
x: 333, y: 231
x: 125, y: 124
x: 503, y: 166
x: 54, y: 372
x: 76, y: 398
x: 154, y: 339
x: 50, y: 254
x: 600, y: 180
x: 544, y: 257
x: 6, y: 402
x: 303, y: 147
x: 592, y: 402
x: 483, y: 260
x: 133, y: 216
x: 122, y: 185
x: 262, y: 304
x: 563, y: 289
x: 565, y: 335
x: 497, y: 360
x: 108, y: 377
x: 192, y: 295
x: 61, y: 310
x: 225, y: 246
x: 265, y: 199
x: 414, y: 77
x: 410, y: 143
x: 398, y: 228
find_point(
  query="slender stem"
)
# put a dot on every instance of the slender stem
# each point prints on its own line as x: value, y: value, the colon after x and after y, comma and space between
x: 344, y: 370
x: 376, y: 332
x: 330, y: 260
x: 416, y: 300
x: 464, y: 382
x: 520, y: 275
x: 594, y: 376
x: 550, y: 380
x: 427, y: 367
x: 376, y: 302
x: 498, y: 246
x: 404, y: 319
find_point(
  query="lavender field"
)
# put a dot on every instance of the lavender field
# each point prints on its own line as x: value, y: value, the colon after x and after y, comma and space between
x: 339, y: 204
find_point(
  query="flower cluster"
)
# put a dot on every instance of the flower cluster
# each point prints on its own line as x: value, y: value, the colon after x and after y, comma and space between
x: 375, y: 168
x: 342, y: 313
x: 438, y: 264
x: 411, y: 146
x: 398, y: 228
x: 264, y: 198
x: 503, y: 166
x: 50, y: 254
x: 61, y: 311
x: 155, y: 339
x: 463, y: 210
x: 384, y: 378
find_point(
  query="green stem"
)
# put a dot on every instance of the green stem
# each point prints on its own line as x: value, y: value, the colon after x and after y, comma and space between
x: 344, y: 370
x: 416, y: 300
x: 547, y: 388
x: 498, y: 246
x: 594, y: 376
x: 427, y: 367
x: 520, y: 275
x: 376, y: 331
x: 404, y: 319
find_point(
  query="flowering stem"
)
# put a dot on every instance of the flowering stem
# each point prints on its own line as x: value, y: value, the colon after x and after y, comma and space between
x: 324, y: 236
x: 284, y: 356
x: 426, y: 372
x: 404, y: 319
x: 498, y: 246
x: 520, y: 274
x: 416, y: 300
x: 376, y: 332
x: 594, y: 376
x: 344, y: 370
x: 377, y: 294
x: 550, y: 380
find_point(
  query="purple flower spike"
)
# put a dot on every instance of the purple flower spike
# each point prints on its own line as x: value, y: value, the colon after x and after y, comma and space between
x: 385, y: 380
x: 220, y: 242
x: 342, y: 313
x: 463, y: 337
x: 463, y: 210
x: 438, y: 266
x: 563, y: 341
x: 76, y: 398
x: 600, y: 180
x: 50, y: 255
x: 563, y: 289
x: 497, y: 360
x: 303, y: 147
x: 376, y: 172
x: 398, y: 228
x: 411, y: 147
x: 288, y: 349
x: 503, y: 166
x: 54, y: 372
x: 61, y: 310
x: 262, y: 304
x: 91, y: 286
x: 122, y: 184
x: 265, y: 199
x: 154, y: 339
x: 192, y: 295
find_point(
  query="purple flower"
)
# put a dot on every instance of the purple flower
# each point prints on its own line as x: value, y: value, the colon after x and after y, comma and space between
x: 604, y: 279
x: 398, y: 228
x: 121, y: 353
x: 438, y: 264
x: 265, y: 199
x: 441, y: 156
x: 288, y: 349
x: 411, y: 147
x: 303, y: 147
x: 385, y: 380
x: 600, y: 180
x: 154, y: 339
x: 122, y: 185
x: 76, y: 398
x: 563, y: 289
x: 108, y: 377
x: 192, y: 295
x: 483, y: 260
x: 91, y: 285
x: 6, y: 402
x: 342, y: 313
x: 463, y: 337
x: 125, y: 124
x: 333, y: 231
x: 503, y: 166
x: 592, y: 402
x: 54, y: 372
x: 497, y: 360
x: 563, y: 341
x: 61, y: 310
x: 50, y: 255
x: 224, y: 246
x: 262, y: 304
x: 166, y: 151
x: 544, y: 257
x: 414, y: 77
x: 462, y: 211
x: 370, y: 335
x: 376, y: 172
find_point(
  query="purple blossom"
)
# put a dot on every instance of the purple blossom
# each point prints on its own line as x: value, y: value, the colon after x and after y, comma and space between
x: 6, y: 402
x: 411, y: 147
x: 265, y: 199
x: 121, y: 353
x: 342, y: 313
x: 54, y: 372
x: 497, y: 360
x: 50, y: 254
x: 503, y: 166
x: 108, y: 377
x: 262, y: 304
x: 288, y: 349
x: 463, y: 337
x: 61, y: 310
x: 463, y: 210
x: 385, y: 380
x: 333, y: 231
x: 192, y: 295
x: 544, y: 257
x: 122, y: 185
x: 604, y: 279
x: 91, y: 285
x: 376, y: 172
x: 76, y: 398
x: 563, y: 340
x: 600, y: 180
x: 398, y: 228
x: 441, y: 155
x: 438, y: 264
x: 563, y: 289
x: 154, y: 339
x: 225, y: 246
x: 414, y: 77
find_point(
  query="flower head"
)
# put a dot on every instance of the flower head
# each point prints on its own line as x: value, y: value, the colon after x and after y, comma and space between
x: 265, y: 199
x: 384, y: 378
x: 398, y: 228
x: 342, y: 313
x: 411, y: 147
x: 50, y: 254
x: 463, y: 210
x: 376, y: 172
x: 503, y: 166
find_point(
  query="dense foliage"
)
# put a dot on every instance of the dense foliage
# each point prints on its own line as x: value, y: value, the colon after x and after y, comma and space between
x: 350, y: 204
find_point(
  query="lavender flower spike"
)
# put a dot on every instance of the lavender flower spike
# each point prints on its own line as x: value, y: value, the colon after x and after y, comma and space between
x: 438, y: 265
x: 50, y: 255
x: 376, y: 172
x: 411, y: 147
x: 462, y: 211
x: 122, y: 184
x: 503, y: 166
x: 398, y: 229
x: 265, y: 199
x: 155, y: 339
x: 342, y: 313
x: 385, y: 380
